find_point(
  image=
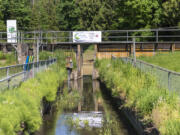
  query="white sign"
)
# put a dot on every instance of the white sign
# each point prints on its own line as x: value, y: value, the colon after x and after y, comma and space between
x: 11, y: 31
x: 87, y: 36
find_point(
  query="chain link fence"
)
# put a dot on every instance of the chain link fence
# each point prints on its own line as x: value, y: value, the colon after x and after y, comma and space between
x: 12, y: 76
x: 167, y: 79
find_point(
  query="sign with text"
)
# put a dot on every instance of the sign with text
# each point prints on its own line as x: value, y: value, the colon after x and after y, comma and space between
x: 11, y: 31
x: 87, y: 36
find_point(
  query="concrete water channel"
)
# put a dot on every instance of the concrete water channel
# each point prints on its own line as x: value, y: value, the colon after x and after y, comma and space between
x: 95, y: 114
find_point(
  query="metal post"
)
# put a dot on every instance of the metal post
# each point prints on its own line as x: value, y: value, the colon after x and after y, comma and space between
x: 127, y: 36
x: 169, y: 81
x: 37, y: 66
x: 157, y: 36
x: 8, y: 83
x: 37, y: 50
x: 45, y: 65
x: 33, y: 69
x: 134, y: 51
x: 7, y: 72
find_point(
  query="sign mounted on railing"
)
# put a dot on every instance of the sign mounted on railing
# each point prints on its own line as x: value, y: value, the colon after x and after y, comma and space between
x: 87, y: 36
x: 11, y: 31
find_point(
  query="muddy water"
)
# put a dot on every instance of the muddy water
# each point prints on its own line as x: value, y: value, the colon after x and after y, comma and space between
x: 93, y: 115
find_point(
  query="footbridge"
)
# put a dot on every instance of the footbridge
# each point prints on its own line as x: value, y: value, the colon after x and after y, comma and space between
x: 117, y: 43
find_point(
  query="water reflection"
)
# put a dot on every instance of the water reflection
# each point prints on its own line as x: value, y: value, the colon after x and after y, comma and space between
x: 91, y: 116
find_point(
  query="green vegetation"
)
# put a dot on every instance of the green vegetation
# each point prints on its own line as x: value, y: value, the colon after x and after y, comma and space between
x: 21, y: 107
x: 166, y: 60
x: 142, y: 94
x: 89, y: 15
x: 7, y: 59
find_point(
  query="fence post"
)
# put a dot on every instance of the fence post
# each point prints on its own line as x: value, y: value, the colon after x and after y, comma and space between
x: 7, y: 72
x: 7, y: 75
x: 33, y: 69
x: 134, y: 51
x: 169, y: 81
x: 127, y: 36
x: 45, y: 64
x: 157, y: 36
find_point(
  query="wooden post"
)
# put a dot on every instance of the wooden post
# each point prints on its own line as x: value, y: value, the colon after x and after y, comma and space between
x: 173, y: 47
x: 131, y: 50
x: 95, y: 52
x: 79, y: 60
x: 4, y: 48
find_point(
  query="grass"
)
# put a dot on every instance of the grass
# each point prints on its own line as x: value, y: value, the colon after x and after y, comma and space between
x: 44, y: 55
x: 166, y: 60
x: 20, y: 108
x: 7, y: 59
x: 142, y: 94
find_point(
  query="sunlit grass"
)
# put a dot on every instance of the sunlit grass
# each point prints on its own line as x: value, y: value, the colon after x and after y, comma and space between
x: 167, y: 60
x: 142, y: 94
x: 20, y: 108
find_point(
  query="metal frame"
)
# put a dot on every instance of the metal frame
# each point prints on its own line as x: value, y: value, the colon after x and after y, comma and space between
x: 108, y: 36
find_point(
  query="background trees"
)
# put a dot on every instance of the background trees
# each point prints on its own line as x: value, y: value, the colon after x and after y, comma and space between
x: 90, y: 14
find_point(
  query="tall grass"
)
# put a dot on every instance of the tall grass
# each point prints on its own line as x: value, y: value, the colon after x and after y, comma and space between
x: 142, y: 94
x: 7, y: 59
x: 20, y: 108
x: 166, y: 60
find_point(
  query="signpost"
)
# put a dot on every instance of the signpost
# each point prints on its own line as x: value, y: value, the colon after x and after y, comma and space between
x: 11, y: 31
x: 87, y: 36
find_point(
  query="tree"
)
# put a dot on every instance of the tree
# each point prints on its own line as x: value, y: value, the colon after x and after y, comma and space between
x: 68, y: 14
x: 19, y: 10
x: 171, y: 13
x: 141, y: 14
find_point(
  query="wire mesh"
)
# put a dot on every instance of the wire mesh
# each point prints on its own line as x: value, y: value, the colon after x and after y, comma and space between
x: 166, y: 78
x: 12, y: 76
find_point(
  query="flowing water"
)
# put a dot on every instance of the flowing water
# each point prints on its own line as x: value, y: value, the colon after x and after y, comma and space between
x: 93, y: 115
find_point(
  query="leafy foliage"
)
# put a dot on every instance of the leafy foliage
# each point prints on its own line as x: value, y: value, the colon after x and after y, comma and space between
x: 90, y: 14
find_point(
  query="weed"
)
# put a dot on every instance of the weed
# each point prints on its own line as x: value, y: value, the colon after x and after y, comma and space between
x: 142, y: 93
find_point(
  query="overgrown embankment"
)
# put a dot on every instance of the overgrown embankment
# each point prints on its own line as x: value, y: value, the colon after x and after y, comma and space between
x: 142, y: 94
x: 21, y: 108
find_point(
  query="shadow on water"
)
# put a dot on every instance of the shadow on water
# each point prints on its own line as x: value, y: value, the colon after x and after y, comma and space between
x: 96, y: 113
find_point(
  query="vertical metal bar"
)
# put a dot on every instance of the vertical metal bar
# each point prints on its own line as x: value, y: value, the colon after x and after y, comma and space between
x: 134, y: 51
x: 127, y: 35
x: 7, y: 72
x: 8, y: 83
x: 169, y: 81
x: 33, y: 69
x: 37, y: 49
x: 157, y: 36
x: 45, y: 64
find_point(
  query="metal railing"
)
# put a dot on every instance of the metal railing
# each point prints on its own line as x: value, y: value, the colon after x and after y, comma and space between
x: 166, y: 78
x: 12, y: 76
x: 108, y: 36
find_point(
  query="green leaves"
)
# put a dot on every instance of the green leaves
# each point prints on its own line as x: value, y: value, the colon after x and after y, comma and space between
x: 90, y: 14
